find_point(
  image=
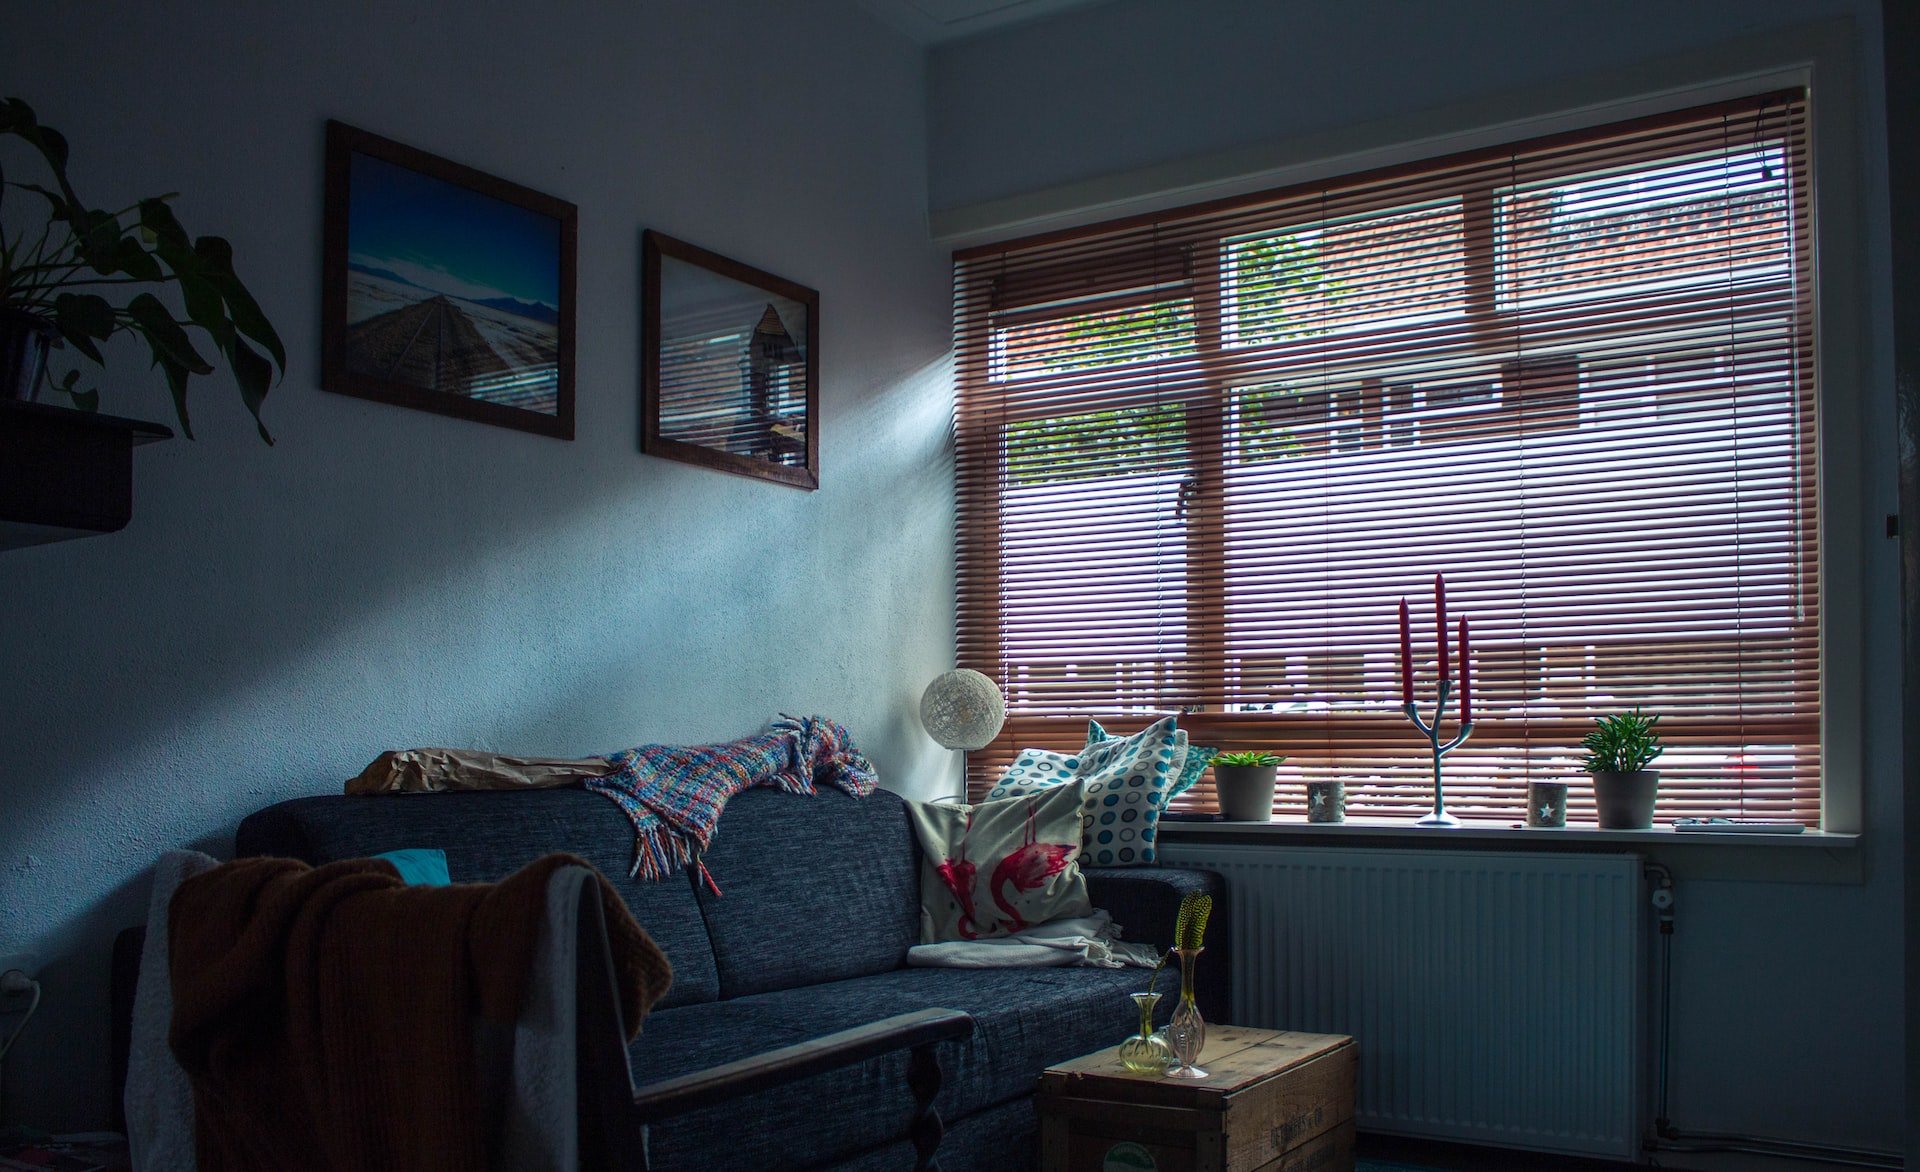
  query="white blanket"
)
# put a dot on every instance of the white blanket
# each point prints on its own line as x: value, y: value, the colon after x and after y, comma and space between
x: 1078, y: 940
x: 159, y: 1099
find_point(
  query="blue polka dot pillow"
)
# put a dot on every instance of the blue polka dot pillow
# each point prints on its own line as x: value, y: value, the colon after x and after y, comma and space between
x: 1126, y: 780
x: 1197, y: 759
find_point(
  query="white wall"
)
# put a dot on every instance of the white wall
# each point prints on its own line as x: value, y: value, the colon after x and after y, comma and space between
x: 275, y: 617
x: 1788, y: 981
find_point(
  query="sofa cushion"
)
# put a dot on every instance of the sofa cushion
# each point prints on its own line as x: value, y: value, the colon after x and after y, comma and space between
x: 488, y: 836
x: 1192, y: 764
x: 812, y: 889
x: 1024, y: 1020
x: 997, y: 868
x: 1125, y: 781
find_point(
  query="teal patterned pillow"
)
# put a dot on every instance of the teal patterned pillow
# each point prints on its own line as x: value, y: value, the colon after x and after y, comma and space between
x: 1126, y: 781
x: 1197, y: 759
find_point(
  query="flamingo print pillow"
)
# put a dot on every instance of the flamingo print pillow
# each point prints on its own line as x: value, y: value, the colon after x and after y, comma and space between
x: 999, y: 868
x: 1126, y: 780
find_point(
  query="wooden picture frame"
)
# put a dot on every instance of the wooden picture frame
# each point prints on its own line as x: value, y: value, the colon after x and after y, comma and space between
x: 446, y: 289
x: 730, y: 361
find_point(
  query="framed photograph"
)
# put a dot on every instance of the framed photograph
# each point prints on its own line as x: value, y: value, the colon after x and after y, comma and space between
x: 729, y: 365
x: 445, y: 288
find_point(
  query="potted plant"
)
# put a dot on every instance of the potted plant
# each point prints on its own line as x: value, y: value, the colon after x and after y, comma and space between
x: 1244, y: 783
x: 63, y: 283
x: 1619, y: 749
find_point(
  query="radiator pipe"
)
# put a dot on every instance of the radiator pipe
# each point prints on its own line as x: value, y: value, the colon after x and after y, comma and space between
x: 1780, y: 1148
x: 1663, y: 901
x: 1668, y: 1138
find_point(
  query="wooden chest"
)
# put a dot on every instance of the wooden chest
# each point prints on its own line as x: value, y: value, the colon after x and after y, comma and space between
x: 1273, y: 1101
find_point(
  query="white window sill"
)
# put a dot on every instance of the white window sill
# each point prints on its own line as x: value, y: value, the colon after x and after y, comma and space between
x: 1504, y: 835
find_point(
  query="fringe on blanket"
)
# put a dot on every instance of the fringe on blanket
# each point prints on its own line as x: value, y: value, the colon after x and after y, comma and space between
x: 674, y: 794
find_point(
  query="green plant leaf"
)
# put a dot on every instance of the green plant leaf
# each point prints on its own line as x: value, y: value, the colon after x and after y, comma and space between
x: 179, y: 257
x: 255, y: 377
x: 83, y: 318
x: 97, y: 236
x: 206, y: 310
x: 1623, y: 742
x: 247, y: 318
x: 1248, y: 757
x: 61, y: 210
x: 87, y: 400
x: 146, y: 244
x: 156, y: 217
x: 132, y: 258
x: 15, y: 116
x: 164, y: 335
x: 177, y: 384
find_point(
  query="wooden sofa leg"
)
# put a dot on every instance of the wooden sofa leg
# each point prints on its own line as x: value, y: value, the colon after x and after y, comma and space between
x: 923, y: 1078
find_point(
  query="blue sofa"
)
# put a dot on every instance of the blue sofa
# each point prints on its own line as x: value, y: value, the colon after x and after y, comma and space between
x: 820, y: 904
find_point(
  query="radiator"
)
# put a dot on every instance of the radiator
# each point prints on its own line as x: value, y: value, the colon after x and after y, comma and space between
x: 1496, y: 997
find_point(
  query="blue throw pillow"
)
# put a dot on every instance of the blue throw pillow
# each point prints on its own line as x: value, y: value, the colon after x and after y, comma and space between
x: 1197, y: 759
x: 419, y: 867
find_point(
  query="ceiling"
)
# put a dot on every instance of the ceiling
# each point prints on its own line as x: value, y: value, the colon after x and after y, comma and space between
x: 931, y: 22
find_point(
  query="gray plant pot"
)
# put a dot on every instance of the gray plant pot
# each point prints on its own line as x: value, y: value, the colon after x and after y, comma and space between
x: 1246, y: 792
x: 24, y: 340
x: 1625, y: 800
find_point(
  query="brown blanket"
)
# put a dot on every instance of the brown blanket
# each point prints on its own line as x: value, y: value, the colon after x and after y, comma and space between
x: 325, y: 1015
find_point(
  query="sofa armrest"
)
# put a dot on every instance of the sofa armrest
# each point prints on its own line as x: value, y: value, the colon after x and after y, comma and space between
x: 706, y: 1088
x: 1145, y: 900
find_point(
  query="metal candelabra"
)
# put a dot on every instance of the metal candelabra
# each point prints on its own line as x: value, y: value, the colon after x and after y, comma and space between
x: 1439, y: 816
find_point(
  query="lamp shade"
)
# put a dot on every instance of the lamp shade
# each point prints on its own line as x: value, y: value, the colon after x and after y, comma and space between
x: 963, y: 709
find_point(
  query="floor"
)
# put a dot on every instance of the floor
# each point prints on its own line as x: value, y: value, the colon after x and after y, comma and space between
x: 1379, y: 1153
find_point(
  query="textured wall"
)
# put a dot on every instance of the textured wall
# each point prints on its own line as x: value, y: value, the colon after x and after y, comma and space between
x: 275, y: 617
x: 1788, y: 992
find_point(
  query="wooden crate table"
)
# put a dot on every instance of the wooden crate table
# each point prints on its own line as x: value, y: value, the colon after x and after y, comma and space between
x: 1272, y: 1101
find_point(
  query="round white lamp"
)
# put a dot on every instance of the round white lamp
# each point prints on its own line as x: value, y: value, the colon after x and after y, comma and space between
x: 963, y: 710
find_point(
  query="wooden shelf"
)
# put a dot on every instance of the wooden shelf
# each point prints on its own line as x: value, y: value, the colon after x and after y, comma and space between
x: 66, y: 473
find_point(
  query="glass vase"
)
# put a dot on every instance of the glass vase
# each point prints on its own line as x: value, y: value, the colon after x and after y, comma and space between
x: 1187, y: 1030
x: 1146, y: 1052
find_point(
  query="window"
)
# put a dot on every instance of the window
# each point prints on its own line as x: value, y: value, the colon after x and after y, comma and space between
x: 1202, y: 456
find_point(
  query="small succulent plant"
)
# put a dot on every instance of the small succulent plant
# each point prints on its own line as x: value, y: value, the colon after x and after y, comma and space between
x: 1623, y: 743
x: 1249, y: 757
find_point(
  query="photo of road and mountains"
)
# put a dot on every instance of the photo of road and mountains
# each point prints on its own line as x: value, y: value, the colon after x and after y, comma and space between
x: 451, y: 291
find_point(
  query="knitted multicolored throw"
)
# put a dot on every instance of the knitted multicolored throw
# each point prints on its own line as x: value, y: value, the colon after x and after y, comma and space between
x: 673, y: 794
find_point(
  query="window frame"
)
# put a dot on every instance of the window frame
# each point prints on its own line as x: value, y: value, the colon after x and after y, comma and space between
x: 1213, y: 367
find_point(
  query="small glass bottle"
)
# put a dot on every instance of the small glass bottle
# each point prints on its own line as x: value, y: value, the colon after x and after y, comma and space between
x: 1187, y: 1030
x: 1146, y: 1052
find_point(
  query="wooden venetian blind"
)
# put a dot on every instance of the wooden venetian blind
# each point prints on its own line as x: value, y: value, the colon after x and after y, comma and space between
x: 1202, y: 455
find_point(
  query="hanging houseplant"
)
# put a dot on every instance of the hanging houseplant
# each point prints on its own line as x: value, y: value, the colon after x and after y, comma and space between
x: 64, y: 286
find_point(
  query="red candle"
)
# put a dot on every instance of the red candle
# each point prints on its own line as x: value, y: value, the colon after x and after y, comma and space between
x: 1406, y: 654
x: 1466, y: 678
x: 1440, y: 622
